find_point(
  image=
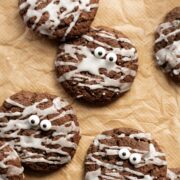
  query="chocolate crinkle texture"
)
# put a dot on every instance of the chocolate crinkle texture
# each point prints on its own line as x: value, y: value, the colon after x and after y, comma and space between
x: 121, y: 154
x: 167, y: 45
x: 98, y: 67
x: 10, y: 163
x: 58, y: 19
x: 42, y: 128
x: 173, y: 174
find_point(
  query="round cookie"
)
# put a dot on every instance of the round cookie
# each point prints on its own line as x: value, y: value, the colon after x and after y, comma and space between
x: 10, y: 164
x: 62, y: 19
x: 167, y: 45
x: 43, y: 129
x: 173, y: 174
x: 98, y: 67
x: 125, y: 154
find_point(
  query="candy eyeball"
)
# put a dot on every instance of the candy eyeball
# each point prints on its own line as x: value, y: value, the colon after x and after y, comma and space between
x: 100, y: 52
x: 124, y: 153
x: 34, y: 120
x: 111, y: 57
x: 45, y: 125
x: 135, y: 158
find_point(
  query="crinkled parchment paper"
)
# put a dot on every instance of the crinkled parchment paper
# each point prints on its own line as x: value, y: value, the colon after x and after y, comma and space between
x: 152, y: 105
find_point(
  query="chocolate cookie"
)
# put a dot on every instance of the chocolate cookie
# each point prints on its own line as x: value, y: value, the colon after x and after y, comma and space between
x: 121, y: 154
x: 10, y: 164
x: 98, y: 67
x: 42, y: 128
x: 173, y: 174
x: 167, y: 45
x: 62, y: 19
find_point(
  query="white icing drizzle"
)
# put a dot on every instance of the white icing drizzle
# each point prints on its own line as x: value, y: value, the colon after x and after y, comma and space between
x: 172, y: 175
x: 164, y: 26
x: 171, y: 53
x: 141, y: 136
x: 148, y: 157
x: 144, y: 178
x: 93, y: 175
x: 67, y: 131
x: 55, y: 15
x: 90, y: 63
x: 12, y: 170
x: 152, y: 157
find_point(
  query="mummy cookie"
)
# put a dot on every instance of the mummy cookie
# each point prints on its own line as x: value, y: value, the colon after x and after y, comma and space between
x: 62, y: 19
x: 167, y: 45
x: 10, y: 164
x: 121, y: 154
x: 173, y: 174
x: 98, y: 67
x: 42, y: 128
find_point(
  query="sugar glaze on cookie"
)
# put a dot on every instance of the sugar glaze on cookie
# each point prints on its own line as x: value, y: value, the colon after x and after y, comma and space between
x: 57, y: 11
x: 167, y: 45
x: 170, y: 53
x: 32, y: 143
x: 10, y: 163
x: 103, y: 162
x: 173, y: 174
x: 86, y: 70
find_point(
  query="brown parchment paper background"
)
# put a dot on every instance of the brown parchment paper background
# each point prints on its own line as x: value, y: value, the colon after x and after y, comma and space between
x: 152, y: 105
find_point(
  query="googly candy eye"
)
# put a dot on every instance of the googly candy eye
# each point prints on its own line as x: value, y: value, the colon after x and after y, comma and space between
x: 99, y: 52
x: 135, y: 158
x: 112, y: 57
x: 124, y: 153
x: 34, y: 120
x: 45, y: 125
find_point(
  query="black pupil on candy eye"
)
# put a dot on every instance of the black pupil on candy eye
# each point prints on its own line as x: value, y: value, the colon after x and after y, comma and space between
x: 100, y: 53
x: 111, y: 58
x: 44, y: 126
x: 134, y: 159
x: 124, y: 154
x: 32, y: 121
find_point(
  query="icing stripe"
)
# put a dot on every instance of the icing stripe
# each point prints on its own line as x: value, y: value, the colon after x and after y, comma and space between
x: 172, y: 175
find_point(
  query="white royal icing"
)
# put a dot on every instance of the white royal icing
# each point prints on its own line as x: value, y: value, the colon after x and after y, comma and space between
x: 92, y: 64
x: 141, y: 136
x: 147, y: 157
x: 55, y: 15
x: 67, y: 131
x: 12, y: 170
x: 171, y: 53
x: 172, y: 175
